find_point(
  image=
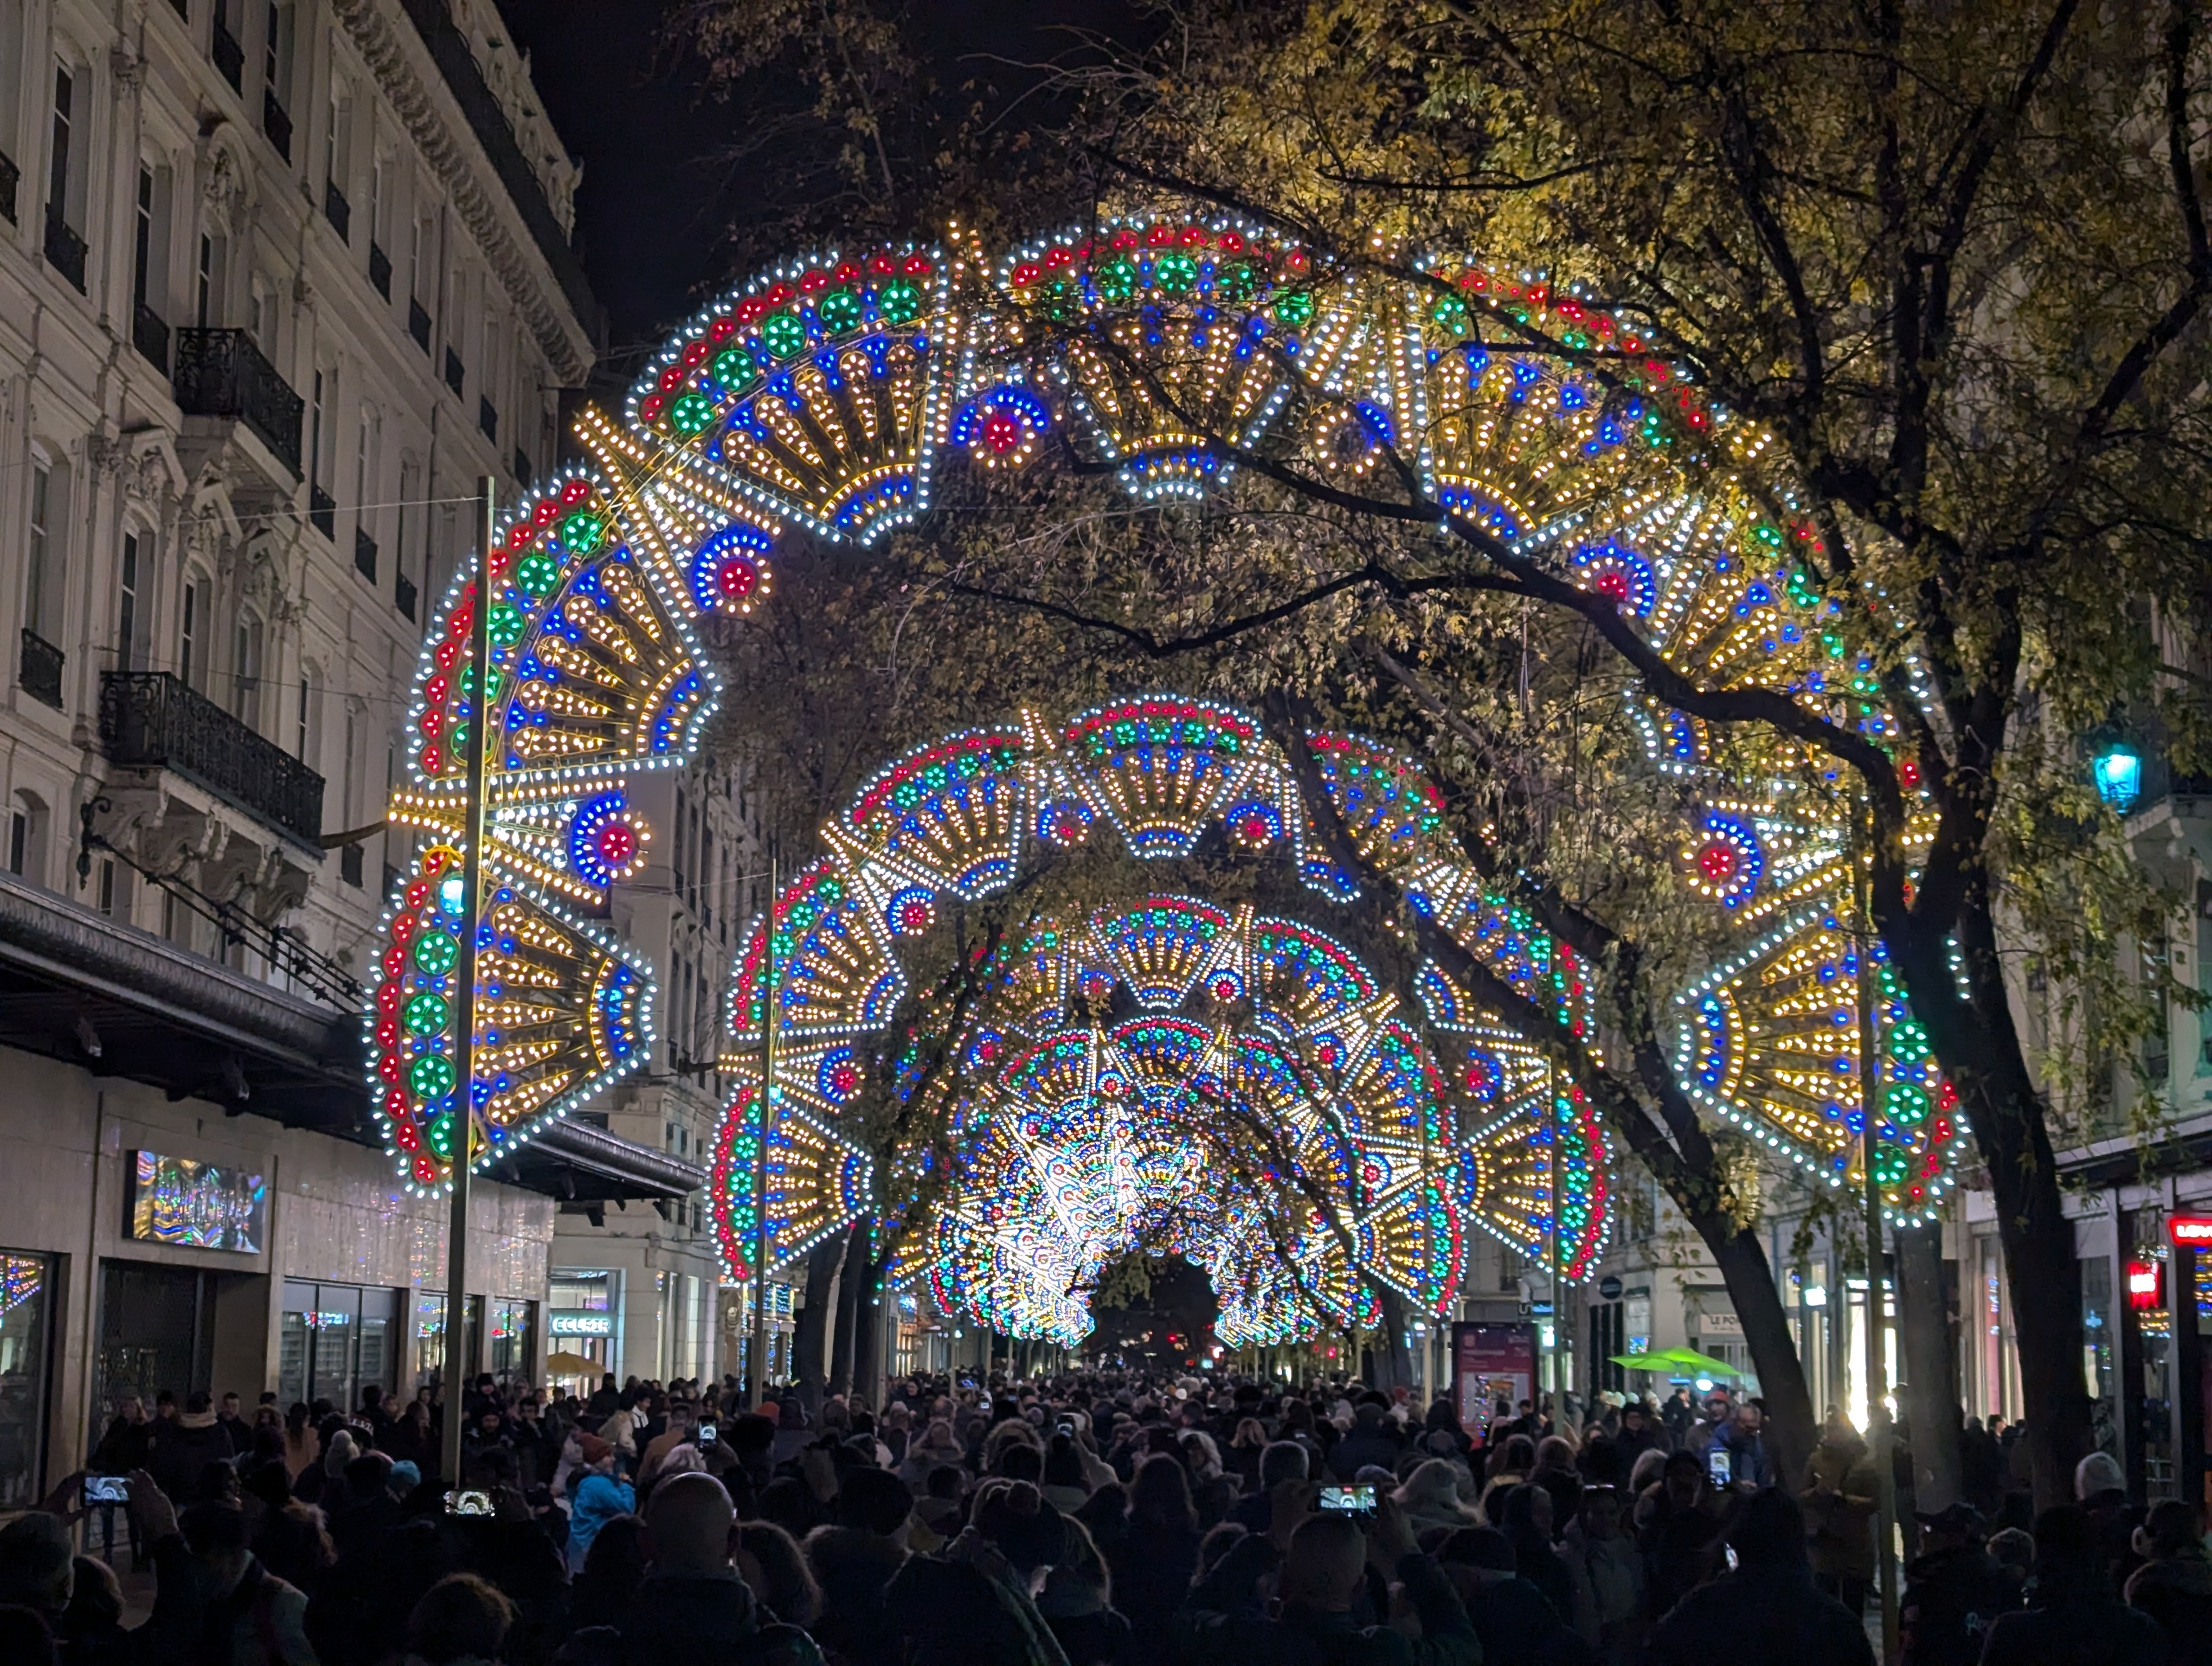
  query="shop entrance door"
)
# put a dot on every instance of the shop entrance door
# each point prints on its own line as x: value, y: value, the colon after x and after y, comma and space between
x: 156, y: 1331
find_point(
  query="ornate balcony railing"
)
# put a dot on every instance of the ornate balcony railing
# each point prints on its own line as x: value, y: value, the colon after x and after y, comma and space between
x: 229, y: 57
x: 221, y: 373
x: 338, y: 211
x: 65, y: 249
x: 419, y: 323
x: 39, y: 670
x: 151, y: 720
x: 323, y: 511
x: 150, y: 336
x: 364, y: 554
x: 379, y: 269
x: 456, y: 374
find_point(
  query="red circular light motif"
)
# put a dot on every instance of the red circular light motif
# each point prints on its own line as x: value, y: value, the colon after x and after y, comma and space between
x: 1001, y: 433
x: 914, y: 916
x: 844, y: 1079
x: 617, y: 843
x: 1717, y: 862
x: 736, y: 580
x: 1612, y: 585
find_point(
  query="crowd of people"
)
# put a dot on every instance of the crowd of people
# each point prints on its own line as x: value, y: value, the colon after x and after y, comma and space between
x: 1100, y: 1519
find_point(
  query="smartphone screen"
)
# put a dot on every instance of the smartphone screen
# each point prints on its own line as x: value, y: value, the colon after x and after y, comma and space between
x: 107, y: 1489
x: 706, y: 1434
x: 1717, y: 1464
x: 469, y: 1501
x: 1352, y: 1500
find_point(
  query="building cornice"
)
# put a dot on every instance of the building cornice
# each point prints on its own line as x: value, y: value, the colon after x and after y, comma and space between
x: 407, y: 71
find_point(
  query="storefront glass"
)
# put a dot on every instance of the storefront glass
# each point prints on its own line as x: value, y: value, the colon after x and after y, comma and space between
x: 25, y: 1303
x: 333, y: 1340
x: 582, y: 1305
x: 511, y: 1345
x: 156, y: 1332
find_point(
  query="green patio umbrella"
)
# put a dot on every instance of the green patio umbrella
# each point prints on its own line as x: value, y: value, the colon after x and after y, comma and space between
x: 1674, y: 1361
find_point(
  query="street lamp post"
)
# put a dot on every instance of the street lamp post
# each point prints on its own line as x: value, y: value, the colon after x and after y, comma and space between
x: 455, y: 1362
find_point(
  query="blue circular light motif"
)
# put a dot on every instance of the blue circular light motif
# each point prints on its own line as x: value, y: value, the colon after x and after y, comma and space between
x: 729, y: 569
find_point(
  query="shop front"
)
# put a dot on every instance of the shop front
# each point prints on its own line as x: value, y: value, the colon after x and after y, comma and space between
x: 26, y: 1298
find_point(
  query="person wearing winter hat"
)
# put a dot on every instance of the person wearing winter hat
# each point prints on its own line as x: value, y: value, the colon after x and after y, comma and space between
x: 599, y: 1496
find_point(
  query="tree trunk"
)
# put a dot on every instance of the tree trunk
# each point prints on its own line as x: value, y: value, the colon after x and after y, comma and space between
x: 811, y: 1328
x: 869, y: 1320
x: 1930, y: 1392
x: 848, y: 1290
x: 1976, y: 1044
x: 1393, y: 1367
x: 1790, y: 1433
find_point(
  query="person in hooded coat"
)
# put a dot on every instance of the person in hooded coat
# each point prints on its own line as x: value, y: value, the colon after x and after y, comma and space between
x: 2077, y: 1619
x: 853, y: 1560
x: 2174, y: 1584
x: 1767, y: 1612
x: 1431, y: 1497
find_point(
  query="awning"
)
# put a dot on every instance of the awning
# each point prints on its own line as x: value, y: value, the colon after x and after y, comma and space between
x: 114, y: 1000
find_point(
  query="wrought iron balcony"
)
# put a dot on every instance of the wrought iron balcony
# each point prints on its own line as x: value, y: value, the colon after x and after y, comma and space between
x: 488, y: 419
x: 65, y: 249
x: 402, y: 594
x: 379, y: 269
x: 229, y: 57
x: 276, y: 125
x: 323, y: 511
x: 456, y: 373
x: 150, y: 336
x: 10, y: 176
x: 150, y: 720
x: 364, y: 554
x: 221, y: 373
x: 338, y: 211
x: 419, y: 323
x: 39, y: 670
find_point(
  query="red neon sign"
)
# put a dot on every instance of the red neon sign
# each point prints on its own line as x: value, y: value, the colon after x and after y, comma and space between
x: 2190, y: 1229
x: 2144, y: 1284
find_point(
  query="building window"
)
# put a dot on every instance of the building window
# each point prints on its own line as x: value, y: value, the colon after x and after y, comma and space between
x: 42, y: 574
x: 142, y: 237
x: 205, y: 280
x: 303, y: 725
x: 128, y: 622
x: 58, y: 205
x: 191, y: 633
x: 246, y: 683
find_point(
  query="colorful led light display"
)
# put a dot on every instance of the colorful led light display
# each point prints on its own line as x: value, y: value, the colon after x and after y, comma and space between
x: 827, y: 392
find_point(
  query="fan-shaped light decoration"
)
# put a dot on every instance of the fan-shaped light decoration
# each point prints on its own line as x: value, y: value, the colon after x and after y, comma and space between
x: 1165, y: 337
x: 1164, y: 343
x: 821, y: 390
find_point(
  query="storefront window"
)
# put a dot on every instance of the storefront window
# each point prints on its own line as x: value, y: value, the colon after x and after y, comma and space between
x: 583, y: 1307
x: 429, y: 1337
x: 333, y: 1340
x: 26, y: 1289
x: 511, y: 1345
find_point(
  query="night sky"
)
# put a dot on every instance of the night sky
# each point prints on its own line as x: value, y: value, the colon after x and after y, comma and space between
x: 649, y: 216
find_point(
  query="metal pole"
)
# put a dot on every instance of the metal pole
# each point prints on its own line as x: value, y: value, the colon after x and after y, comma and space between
x: 756, y: 1357
x: 456, y: 1364
x: 1877, y: 1364
x: 1558, y: 1352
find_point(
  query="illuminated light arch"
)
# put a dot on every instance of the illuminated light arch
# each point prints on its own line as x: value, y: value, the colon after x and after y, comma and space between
x: 958, y: 817
x: 824, y: 394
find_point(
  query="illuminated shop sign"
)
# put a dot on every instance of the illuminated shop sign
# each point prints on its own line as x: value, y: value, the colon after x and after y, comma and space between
x: 583, y: 1324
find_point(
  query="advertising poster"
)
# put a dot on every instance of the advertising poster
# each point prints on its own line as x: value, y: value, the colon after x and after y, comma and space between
x: 1491, y: 1363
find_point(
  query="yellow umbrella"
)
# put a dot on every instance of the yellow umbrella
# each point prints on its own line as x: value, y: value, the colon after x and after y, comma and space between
x: 569, y: 1365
